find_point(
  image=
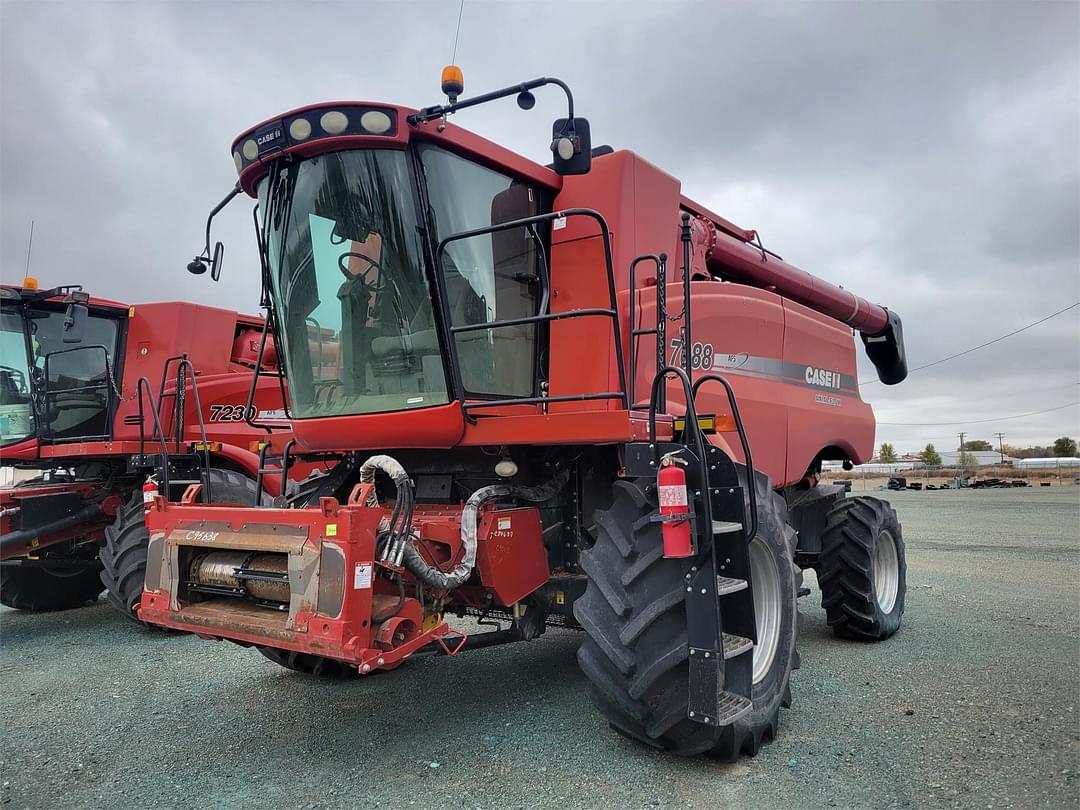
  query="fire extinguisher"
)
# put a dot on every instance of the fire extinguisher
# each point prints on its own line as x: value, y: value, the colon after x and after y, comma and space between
x: 674, y: 507
x: 149, y: 492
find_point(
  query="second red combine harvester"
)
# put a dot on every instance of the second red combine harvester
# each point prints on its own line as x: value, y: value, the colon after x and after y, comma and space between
x: 558, y: 395
x: 95, y: 397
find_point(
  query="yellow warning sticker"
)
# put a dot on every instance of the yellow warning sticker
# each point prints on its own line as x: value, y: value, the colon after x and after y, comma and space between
x: 331, y: 530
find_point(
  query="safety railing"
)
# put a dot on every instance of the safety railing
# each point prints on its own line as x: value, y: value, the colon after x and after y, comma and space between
x: 660, y: 330
x: 184, y: 371
x: 542, y: 317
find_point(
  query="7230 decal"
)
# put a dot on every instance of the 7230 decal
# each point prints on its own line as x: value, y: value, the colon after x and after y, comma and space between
x: 231, y: 413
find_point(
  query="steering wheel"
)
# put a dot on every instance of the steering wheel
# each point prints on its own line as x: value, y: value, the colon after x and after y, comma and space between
x: 16, y: 377
x: 343, y: 266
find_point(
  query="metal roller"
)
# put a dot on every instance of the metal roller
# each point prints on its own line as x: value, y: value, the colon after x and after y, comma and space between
x: 243, y: 570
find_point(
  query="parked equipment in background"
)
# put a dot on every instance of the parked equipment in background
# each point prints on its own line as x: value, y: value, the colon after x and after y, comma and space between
x: 512, y: 363
x: 104, y: 406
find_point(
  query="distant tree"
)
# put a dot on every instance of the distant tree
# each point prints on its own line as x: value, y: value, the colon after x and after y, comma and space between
x: 930, y: 457
x: 1065, y: 447
x: 977, y: 444
x: 1029, y: 452
x: 887, y: 453
x: 968, y: 460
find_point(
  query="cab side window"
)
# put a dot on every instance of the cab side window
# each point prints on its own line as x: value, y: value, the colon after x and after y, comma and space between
x: 493, y: 276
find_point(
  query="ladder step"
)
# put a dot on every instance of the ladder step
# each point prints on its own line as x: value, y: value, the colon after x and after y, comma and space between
x: 725, y: 527
x: 726, y: 585
x: 732, y: 707
x: 736, y: 645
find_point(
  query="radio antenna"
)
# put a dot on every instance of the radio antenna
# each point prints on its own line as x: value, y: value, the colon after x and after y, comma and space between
x: 29, y: 247
x: 457, y: 33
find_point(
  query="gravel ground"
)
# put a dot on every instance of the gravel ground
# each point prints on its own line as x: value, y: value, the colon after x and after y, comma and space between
x: 975, y: 702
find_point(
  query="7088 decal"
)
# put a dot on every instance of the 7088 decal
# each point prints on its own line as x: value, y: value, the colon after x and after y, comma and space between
x: 701, y: 354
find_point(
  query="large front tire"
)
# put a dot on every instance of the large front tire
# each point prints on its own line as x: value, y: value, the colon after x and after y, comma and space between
x: 123, y: 556
x: 863, y: 569
x: 37, y: 588
x: 635, y: 652
x: 317, y: 665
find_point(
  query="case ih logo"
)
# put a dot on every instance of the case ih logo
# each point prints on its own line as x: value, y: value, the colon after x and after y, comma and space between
x: 269, y: 137
x: 822, y: 378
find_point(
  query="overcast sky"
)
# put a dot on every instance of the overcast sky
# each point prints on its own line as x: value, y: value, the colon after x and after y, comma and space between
x: 925, y: 155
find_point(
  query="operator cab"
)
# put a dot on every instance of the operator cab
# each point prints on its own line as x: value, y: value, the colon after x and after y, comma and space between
x: 57, y: 365
x: 405, y: 264
x: 357, y: 310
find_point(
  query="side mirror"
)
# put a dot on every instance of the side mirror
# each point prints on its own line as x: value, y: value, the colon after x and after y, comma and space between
x: 75, y: 322
x: 215, y: 262
x: 571, y: 146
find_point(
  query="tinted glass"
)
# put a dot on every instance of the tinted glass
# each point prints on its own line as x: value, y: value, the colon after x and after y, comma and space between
x: 489, y: 277
x: 353, y: 304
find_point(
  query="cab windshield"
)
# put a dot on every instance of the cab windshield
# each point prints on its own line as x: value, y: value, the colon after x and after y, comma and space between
x: 354, y: 311
x: 16, y: 404
x: 62, y: 388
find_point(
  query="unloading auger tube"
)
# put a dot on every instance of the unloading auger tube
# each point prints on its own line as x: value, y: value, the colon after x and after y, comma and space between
x: 734, y: 254
x: 399, y: 547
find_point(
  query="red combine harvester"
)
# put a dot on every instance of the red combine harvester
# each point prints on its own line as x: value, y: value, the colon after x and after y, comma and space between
x: 80, y: 419
x: 538, y: 419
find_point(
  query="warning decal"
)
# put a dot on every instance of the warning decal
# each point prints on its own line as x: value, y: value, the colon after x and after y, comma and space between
x: 362, y: 577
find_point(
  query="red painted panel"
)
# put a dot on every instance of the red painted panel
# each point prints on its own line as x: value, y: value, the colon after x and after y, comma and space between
x: 819, y: 416
x: 440, y: 426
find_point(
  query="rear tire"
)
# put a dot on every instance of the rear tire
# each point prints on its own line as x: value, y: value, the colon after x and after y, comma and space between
x: 316, y: 665
x: 123, y: 556
x: 863, y: 569
x: 38, y: 589
x: 635, y: 650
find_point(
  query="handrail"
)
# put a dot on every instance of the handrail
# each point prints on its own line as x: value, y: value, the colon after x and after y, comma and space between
x: 661, y: 321
x: 690, y: 392
x: 743, y: 440
x: 249, y: 409
x: 693, y: 429
x: 183, y: 368
x: 144, y: 383
x: 543, y: 317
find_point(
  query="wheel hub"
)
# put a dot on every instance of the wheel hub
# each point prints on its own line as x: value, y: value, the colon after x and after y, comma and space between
x: 768, y: 607
x: 886, y: 572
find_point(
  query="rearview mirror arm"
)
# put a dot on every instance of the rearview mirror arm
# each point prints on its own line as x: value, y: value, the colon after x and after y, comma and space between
x: 440, y: 110
x: 205, y: 255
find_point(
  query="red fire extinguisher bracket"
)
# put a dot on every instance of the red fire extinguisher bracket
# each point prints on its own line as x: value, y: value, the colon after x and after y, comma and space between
x: 675, y: 514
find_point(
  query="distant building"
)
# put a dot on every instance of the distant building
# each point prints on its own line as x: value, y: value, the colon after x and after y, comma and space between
x: 872, y: 467
x: 1050, y: 463
x: 980, y: 458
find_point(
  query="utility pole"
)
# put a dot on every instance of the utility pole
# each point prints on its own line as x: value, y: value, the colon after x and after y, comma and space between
x: 960, y: 483
x: 1001, y: 447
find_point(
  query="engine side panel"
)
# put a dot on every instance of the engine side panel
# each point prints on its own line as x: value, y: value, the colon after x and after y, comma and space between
x: 792, y: 371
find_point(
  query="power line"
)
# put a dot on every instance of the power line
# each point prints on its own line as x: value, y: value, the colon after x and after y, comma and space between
x: 980, y: 421
x: 982, y: 345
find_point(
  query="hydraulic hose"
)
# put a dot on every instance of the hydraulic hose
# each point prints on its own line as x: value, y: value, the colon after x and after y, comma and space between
x: 460, y: 573
x: 402, y: 513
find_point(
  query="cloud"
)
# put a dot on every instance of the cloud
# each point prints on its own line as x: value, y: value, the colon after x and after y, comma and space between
x: 923, y: 155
